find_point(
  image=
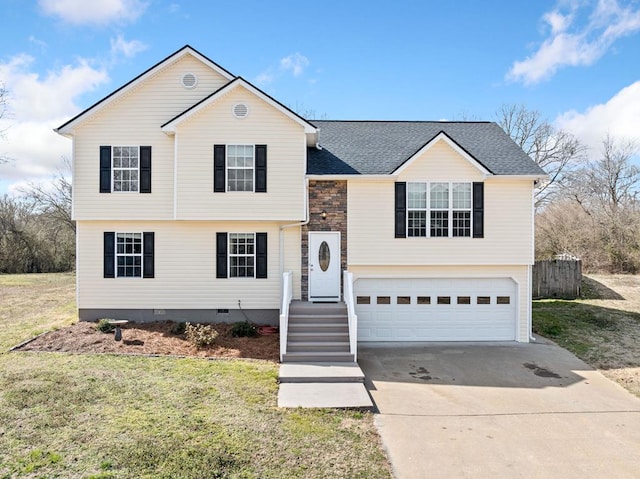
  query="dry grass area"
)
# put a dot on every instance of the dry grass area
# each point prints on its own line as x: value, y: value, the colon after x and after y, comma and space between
x: 602, y: 328
x: 154, y: 339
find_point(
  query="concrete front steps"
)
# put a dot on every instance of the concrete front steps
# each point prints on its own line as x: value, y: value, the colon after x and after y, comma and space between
x: 323, y: 385
x: 318, y: 371
x: 318, y: 332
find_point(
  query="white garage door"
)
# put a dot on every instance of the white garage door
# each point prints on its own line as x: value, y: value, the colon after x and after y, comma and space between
x: 436, y: 309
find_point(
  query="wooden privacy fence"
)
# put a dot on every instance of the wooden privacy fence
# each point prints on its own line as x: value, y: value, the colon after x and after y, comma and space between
x: 557, y: 278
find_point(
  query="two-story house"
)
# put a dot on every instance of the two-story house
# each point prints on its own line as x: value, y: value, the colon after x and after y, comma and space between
x: 197, y: 196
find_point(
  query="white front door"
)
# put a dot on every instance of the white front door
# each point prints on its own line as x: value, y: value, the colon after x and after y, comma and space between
x: 324, y: 266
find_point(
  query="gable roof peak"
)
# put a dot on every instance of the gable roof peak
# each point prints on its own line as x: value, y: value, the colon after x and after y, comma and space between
x: 67, y: 128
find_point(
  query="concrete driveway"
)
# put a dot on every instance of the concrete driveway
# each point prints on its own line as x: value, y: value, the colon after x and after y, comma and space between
x: 499, y: 410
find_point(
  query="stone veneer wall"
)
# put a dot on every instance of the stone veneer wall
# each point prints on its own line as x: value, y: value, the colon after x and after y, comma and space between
x: 329, y: 196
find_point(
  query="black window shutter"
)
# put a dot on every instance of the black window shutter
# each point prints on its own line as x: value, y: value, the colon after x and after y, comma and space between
x: 105, y: 169
x: 148, y: 269
x: 221, y: 255
x: 261, y: 169
x: 401, y: 210
x: 219, y: 179
x: 478, y: 210
x: 261, y: 255
x: 109, y: 260
x: 145, y: 169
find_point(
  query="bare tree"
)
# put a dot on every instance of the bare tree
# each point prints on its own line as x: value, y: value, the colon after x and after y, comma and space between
x: 54, y: 199
x: 599, y: 217
x: 556, y: 151
x: 612, y: 181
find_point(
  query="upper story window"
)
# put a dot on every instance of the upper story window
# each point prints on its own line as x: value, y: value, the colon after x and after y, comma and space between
x: 240, y: 167
x: 126, y: 168
x: 439, y: 209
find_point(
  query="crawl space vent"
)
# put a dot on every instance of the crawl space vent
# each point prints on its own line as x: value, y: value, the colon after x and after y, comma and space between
x: 240, y: 110
x: 189, y: 80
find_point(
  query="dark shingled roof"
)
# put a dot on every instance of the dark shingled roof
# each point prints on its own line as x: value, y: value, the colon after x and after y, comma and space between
x: 380, y: 147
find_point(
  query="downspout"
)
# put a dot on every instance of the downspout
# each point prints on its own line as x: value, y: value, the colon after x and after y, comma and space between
x: 530, y: 267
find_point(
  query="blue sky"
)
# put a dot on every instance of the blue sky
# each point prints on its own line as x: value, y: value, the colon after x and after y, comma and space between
x: 575, y: 61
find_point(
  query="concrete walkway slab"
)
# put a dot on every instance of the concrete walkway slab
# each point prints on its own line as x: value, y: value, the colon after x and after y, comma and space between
x: 324, y: 395
x: 320, y: 372
x: 499, y: 410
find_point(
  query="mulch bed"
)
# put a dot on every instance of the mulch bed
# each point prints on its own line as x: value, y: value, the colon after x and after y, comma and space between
x: 153, y: 339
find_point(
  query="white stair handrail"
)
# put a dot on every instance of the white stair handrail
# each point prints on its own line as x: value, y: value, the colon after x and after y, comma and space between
x: 351, y: 312
x: 287, y: 295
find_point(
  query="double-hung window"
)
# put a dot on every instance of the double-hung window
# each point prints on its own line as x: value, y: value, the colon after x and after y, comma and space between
x: 242, y: 255
x: 444, y: 207
x: 240, y: 167
x: 129, y: 255
x: 126, y: 168
x: 461, y: 209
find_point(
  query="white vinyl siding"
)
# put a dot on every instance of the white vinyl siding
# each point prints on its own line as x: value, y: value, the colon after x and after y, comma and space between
x: 264, y: 125
x: 185, y: 267
x: 508, y: 218
x: 135, y: 119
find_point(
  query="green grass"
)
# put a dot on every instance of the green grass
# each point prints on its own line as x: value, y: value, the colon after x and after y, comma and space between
x: 598, y: 335
x: 107, y: 416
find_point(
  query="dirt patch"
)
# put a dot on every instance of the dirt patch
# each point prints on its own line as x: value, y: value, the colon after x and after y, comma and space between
x: 154, y: 339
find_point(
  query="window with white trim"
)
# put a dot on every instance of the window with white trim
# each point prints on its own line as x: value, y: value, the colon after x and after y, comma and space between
x: 242, y: 255
x: 129, y: 255
x: 126, y: 168
x: 446, y: 206
x: 240, y: 167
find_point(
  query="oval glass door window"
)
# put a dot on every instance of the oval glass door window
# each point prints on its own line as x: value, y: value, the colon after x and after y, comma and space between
x: 324, y: 257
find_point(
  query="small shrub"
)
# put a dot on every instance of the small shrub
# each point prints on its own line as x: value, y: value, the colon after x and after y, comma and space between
x: 201, y: 335
x: 105, y: 326
x: 179, y: 328
x: 244, y: 329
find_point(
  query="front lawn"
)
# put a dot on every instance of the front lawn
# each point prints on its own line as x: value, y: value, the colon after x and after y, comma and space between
x: 107, y: 416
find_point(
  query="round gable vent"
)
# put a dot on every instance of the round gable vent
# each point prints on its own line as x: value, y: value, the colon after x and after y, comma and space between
x: 240, y: 110
x: 189, y: 80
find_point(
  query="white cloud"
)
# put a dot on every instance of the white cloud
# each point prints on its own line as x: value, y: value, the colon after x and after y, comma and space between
x: 32, y: 97
x: 36, y: 105
x: 294, y: 63
x: 571, y: 43
x: 92, y: 12
x: 618, y: 116
x: 129, y: 49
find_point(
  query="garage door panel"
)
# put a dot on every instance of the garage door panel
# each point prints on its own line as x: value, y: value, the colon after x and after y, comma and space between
x: 408, y: 310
